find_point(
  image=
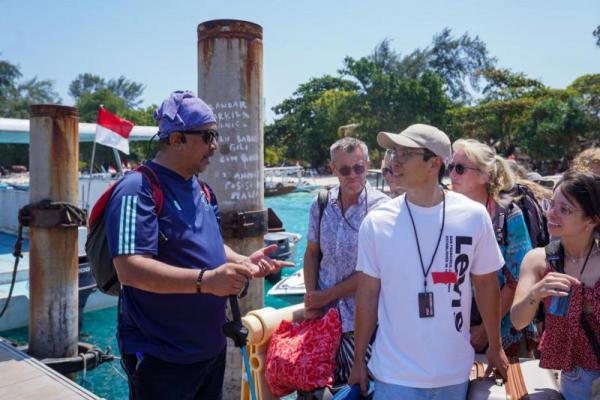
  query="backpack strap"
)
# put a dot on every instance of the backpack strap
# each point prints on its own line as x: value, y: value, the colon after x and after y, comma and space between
x: 515, y: 385
x: 500, y: 224
x: 555, y: 256
x: 207, y: 192
x: 322, y: 198
x: 98, y: 208
x: 157, y: 193
x: 211, y: 198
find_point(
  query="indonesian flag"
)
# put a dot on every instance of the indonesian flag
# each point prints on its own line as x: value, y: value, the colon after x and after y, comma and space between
x: 113, y: 131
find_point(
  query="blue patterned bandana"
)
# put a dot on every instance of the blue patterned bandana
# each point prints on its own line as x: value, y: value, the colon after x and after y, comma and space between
x: 181, y: 112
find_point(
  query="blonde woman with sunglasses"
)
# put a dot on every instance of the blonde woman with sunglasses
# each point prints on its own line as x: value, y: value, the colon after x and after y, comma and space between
x: 568, y: 284
x: 478, y: 173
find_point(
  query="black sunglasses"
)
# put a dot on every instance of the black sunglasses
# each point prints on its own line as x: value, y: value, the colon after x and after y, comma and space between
x: 209, y: 135
x: 357, y: 168
x: 460, y: 168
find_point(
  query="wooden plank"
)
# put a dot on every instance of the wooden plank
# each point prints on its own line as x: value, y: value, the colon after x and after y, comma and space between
x: 23, y: 377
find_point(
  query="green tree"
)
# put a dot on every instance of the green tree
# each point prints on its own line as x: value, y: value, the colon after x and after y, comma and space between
x: 556, y: 127
x: 89, y: 103
x: 394, y: 92
x: 459, y: 61
x: 309, y: 119
x: 17, y: 95
x: 85, y: 83
x: 122, y: 87
x: 274, y: 155
x: 503, y: 84
x: 587, y: 87
x: 495, y: 122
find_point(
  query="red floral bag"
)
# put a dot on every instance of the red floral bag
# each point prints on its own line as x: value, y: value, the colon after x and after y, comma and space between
x: 301, y: 354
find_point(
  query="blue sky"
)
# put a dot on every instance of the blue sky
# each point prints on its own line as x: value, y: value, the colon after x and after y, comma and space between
x: 154, y: 42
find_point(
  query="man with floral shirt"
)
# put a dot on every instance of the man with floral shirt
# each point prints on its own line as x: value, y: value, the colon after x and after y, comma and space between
x: 331, y: 281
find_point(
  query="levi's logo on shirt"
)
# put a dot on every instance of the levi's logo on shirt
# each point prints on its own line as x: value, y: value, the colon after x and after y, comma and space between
x: 456, y: 266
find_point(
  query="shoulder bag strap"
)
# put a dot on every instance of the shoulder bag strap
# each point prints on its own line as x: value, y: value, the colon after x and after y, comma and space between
x: 515, y: 385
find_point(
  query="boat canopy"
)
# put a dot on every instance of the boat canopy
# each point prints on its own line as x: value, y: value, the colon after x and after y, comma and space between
x: 17, y: 131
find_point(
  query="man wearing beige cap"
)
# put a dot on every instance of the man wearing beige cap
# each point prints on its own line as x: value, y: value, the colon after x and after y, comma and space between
x: 417, y: 257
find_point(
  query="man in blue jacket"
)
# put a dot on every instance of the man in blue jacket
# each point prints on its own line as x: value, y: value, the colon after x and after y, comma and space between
x: 174, y: 268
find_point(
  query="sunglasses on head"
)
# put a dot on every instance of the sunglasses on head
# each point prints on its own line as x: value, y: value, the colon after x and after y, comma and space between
x: 460, y: 168
x: 209, y: 135
x: 357, y: 168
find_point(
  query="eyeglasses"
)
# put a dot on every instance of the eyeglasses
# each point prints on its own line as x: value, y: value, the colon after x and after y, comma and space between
x: 385, y: 171
x: 562, y: 209
x: 357, y: 168
x: 402, y: 155
x: 209, y: 135
x: 460, y: 168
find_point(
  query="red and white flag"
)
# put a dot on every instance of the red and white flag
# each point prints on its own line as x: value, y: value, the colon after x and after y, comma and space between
x: 113, y: 131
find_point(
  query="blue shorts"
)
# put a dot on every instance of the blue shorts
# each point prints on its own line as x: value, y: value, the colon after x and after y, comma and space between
x: 577, y: 384
x: 388, y: 391
x: 152, y: 378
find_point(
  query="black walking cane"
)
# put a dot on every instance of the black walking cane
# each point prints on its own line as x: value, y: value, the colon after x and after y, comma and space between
x: 239, y: 333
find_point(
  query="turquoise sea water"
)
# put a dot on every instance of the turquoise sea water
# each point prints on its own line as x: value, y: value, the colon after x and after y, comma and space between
x: 99, y: 327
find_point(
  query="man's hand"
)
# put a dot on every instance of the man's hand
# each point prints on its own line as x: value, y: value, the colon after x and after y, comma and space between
x: 498, y: 361
x: 358, y: 374
x: 227, y: 279
x: 263, y: 265
x: 478, y: 337
x: 316, y: 299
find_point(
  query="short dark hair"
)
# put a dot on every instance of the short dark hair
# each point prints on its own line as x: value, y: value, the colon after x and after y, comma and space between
x: 428, y: 155
x: 584, y: 188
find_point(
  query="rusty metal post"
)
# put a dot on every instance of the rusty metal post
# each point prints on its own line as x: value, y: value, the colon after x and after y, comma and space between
x: 230, y: 55
x: 53, y: 163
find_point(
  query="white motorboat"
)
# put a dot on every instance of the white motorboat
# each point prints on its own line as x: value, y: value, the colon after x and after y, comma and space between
x: 292, y: 285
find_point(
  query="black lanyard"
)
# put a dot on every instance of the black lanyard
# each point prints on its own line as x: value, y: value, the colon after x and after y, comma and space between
x: 586, y: 259
x: 426, y: 272
x: 342, y: 206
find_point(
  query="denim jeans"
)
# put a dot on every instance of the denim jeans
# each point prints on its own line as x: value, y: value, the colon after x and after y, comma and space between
x: 388, y: 391
x: 577, y: 383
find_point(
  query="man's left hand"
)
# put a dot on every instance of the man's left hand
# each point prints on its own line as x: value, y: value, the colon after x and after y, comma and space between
x: 498, y: 361
x: 316, y: 299
x: 263, y: 265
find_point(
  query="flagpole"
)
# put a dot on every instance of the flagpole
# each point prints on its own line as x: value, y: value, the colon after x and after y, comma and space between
x: 118, y: 161
x: 87, y: 200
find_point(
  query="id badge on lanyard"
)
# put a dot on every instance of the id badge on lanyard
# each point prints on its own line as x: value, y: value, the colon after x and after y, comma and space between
x: 426, y: 305
x: 425, y: 297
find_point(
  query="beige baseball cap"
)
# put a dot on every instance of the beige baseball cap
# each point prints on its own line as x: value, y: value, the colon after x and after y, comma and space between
x: 419, y: 135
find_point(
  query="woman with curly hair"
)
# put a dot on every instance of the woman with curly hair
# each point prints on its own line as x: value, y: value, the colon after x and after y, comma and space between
x: 478, y: 173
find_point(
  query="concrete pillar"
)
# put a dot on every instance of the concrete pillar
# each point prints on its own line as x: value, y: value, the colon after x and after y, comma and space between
x: 53, y: 164
x: 230, y: 55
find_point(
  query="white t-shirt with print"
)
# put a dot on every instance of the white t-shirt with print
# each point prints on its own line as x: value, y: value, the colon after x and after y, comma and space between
x: 425, y: 352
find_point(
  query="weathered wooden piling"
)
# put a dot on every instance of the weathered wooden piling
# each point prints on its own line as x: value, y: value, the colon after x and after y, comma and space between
x: 53, y: 162
x: 230, y: 55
